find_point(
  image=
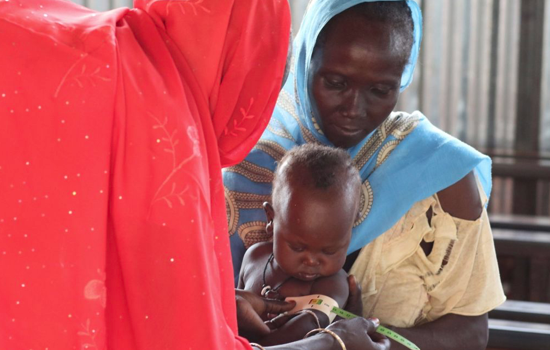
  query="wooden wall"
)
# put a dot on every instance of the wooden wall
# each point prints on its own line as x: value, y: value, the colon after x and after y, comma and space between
x: 484, y: 77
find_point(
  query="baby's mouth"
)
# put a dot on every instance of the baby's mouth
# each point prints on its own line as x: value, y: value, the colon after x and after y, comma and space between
x: 307, y: 276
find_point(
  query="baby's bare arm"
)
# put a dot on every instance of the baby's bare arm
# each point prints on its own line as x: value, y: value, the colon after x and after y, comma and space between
x: 254, y: 255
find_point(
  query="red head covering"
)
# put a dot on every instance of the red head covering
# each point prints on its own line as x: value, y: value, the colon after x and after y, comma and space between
x: 113, y: 130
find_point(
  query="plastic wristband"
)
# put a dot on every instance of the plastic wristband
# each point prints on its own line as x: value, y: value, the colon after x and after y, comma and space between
x: 319, y: 302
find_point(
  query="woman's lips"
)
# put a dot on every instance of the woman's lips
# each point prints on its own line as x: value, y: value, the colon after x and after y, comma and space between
x: 347, y: 131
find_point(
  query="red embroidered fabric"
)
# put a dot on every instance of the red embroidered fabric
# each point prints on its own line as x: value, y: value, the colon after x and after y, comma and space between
x: 113, y: 130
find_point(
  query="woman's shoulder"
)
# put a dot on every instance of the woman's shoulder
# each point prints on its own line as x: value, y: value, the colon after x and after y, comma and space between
x: 462, y: 199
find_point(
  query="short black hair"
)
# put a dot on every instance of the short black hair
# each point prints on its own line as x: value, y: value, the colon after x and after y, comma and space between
x: 316, y: 166
x: 396, y: 13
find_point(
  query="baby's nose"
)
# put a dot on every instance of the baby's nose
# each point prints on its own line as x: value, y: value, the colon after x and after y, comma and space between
x: 311, y: 260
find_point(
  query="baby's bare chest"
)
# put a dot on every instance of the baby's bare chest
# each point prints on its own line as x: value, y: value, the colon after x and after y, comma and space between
x: 275, y: 285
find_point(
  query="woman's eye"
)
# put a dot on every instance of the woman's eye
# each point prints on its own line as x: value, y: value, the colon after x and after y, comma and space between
x: 335, y: 84
x: 381, y: 92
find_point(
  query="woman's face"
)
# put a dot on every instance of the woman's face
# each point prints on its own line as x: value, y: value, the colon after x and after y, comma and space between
x: 356, y: 77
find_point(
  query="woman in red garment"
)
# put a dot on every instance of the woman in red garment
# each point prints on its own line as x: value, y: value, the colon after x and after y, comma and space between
x: 113, y: 131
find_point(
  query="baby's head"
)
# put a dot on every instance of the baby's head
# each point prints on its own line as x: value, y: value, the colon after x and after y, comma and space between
x: 315, y: 200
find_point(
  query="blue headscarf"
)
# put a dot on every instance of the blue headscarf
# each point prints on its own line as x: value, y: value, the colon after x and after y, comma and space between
x: 403, y: 161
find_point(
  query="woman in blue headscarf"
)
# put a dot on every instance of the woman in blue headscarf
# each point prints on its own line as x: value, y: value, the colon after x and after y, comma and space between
x: 421, y: 247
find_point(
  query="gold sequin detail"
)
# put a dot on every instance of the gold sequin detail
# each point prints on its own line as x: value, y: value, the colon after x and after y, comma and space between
x: 276, y: 127
x: 272, y: 148
x: 253, y: 232
x: 316, y: 125
x: 397, y: 125
x: 405, y: 128
x: 235, y: 201
x: 231, y: 211
x: 386, y: 151
x: 365, y: 204
x: 367, y: 151
x: 252, y: 172
x: 250, y: 200
x: 285, y: 102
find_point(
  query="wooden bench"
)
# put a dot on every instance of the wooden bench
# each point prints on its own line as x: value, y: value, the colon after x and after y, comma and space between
x: 524, y: 261
x: 520, y: 222
x: 521, y: 167
x: 522, y: 243
x: 530, y: 175
x: 524, y: 311
x: 504, y: 334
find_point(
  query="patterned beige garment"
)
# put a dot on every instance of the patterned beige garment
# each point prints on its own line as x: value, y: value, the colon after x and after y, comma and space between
x: 403, y: 287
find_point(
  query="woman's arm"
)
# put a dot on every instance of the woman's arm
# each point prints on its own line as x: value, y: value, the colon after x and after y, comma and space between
x: 357, y: 334
x: 448, y: 332
x: 460, y: 200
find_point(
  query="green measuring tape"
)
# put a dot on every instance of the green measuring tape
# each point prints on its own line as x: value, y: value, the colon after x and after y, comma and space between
x: 382, y: 330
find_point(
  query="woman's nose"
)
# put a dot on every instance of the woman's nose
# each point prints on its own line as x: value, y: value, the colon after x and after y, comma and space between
x: 355, y: 105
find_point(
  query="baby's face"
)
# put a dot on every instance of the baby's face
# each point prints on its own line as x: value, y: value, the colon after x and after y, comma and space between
x: 312, y: 232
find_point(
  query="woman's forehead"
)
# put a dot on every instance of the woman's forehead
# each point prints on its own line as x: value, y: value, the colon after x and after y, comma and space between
x: 353, y: 32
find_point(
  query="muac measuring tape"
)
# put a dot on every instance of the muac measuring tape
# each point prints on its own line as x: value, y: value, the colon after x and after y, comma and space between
x: 381, y: 329
x: 330, y: 307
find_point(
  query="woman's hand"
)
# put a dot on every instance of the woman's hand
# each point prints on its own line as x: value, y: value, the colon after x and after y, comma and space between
x: 249, y: 308
x: 359, y: 333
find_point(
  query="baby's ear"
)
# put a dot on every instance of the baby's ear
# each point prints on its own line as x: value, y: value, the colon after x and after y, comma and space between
x: 269, y: 211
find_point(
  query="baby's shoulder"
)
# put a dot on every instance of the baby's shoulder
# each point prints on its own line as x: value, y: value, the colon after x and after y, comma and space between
x: 258, y: 251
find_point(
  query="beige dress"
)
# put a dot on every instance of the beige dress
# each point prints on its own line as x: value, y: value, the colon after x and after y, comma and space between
x: 403, y: 287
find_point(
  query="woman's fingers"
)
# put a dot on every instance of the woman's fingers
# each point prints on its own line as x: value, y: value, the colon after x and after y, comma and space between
x: 273, y: 306
x: 249, y: 308
x: 250, y: 324
x: 360, y: 333
x: 382, y: 343
x: 262, y: 305
x: 278, y: 321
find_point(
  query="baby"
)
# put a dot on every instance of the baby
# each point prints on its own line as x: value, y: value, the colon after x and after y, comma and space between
x: 315, y: 200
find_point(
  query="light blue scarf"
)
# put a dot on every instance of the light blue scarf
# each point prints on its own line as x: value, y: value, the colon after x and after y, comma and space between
x: 402, y: 162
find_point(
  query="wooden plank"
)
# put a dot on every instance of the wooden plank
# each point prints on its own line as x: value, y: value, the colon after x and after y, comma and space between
x: 508, y: 52
x: 518, y: 335
x: 494, y: 57
x: 511, y: 153
x: 538, y: 278
x: 531, y: 170
x: 529, y: 97
x: 527, y: 278
x: 519, y: 286
x: 473, y: 70
x: 522, y: 243
x: 484, y: 38
x: 530, y: 72
x: 520, y: 222
x: 445, y: 42
x: 545, y: 108
x: 525, y: 311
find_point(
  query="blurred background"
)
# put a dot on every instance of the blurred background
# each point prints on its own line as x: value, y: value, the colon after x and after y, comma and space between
x: 484, y: 77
